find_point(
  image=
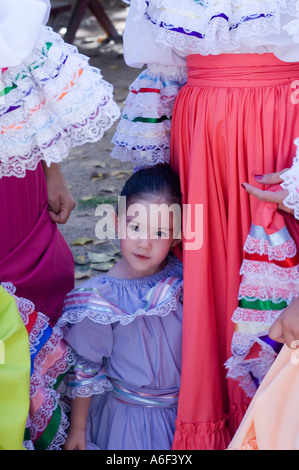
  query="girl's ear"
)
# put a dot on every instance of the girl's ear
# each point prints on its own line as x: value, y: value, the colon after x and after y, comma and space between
x: 176, y: 242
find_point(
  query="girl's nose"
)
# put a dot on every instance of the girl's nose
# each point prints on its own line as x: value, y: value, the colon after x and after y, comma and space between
x: 144, y: 242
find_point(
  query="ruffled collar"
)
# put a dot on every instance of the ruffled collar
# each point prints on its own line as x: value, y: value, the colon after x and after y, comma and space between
x: 203, y: 27
x: 107, y: 299
x: 173, y: 266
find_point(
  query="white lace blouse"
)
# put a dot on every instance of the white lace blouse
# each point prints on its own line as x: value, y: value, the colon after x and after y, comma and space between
x: 166, y: 31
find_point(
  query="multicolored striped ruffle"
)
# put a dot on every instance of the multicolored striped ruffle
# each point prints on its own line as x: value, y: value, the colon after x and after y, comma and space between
x: 51, y: 358
x: 270, y: 282
x: 50, y: 103
x: 89, y: 302
x: 143, y: 133
x: 86, y: 378
x: 205, y: 27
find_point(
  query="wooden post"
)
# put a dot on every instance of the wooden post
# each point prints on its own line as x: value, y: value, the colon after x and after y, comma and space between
x: 77, y: 16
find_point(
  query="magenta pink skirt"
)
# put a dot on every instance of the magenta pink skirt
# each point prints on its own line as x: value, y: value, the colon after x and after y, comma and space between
x: 232, y: 120
x: 34, y: 256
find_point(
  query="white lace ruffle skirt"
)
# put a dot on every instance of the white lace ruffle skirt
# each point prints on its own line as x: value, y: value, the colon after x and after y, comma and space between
x: 51, y: 102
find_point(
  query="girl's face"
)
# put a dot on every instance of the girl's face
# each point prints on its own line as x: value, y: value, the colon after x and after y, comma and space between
x: 146, y: 236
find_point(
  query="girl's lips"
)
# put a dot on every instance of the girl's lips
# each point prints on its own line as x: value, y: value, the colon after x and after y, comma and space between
x: 141, y: 257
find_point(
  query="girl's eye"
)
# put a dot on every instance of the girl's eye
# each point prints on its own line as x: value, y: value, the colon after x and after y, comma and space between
x: 134, y: 227
x: 161, y: 234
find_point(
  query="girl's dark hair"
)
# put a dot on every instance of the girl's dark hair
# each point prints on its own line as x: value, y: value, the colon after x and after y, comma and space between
x: 158, y: 180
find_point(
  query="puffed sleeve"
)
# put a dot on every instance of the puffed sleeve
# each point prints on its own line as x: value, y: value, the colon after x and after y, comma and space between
x: 143, y: 133
x: 20, y: 25
x: 92, y: 342
x: 48, y: 10
x: 291, y: 183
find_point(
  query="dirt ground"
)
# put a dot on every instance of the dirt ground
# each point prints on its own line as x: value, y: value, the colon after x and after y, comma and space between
x: 92, y: 175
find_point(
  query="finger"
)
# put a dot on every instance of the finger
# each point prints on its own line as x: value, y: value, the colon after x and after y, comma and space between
x: 61, y: 217
x: 284, y: 208
x: 294, y: 344
x: 291, y: 335
x: 62, y: 214
x: 289, y: 339
x: 276, y: 197
x: 270, y: 178
x: 275, y: 332
x: 282, y: 334
x: 54, y: 217
x: 54, y: 205
x: 280, y: 339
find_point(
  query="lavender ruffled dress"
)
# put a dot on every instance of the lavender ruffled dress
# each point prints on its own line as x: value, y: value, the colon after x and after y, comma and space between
x: 127, y: 335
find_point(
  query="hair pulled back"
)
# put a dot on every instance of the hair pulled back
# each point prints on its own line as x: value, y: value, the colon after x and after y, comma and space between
x: 158, y: 180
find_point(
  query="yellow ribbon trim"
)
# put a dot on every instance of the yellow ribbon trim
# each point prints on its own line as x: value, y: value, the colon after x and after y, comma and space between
x: 251, y: 328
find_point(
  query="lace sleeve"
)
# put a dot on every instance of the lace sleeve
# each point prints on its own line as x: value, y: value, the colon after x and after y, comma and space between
x: 143, y: 133
x: 86, y: 378
x: 291, y: 183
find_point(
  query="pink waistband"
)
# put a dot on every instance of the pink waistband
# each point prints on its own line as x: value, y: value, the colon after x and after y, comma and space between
x: 240, y: 70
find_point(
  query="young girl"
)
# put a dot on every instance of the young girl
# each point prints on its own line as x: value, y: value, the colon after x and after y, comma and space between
x: 126, y: 330
x: 202, y: 62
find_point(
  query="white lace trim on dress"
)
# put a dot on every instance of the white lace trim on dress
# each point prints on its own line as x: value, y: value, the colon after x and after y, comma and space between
x: 291, y: 184
x: 100, y: 310
x: 50, y: 103
x: 270, y: 282
x: 213, y: 27
x: 143, y: 133
x: 86, y: 379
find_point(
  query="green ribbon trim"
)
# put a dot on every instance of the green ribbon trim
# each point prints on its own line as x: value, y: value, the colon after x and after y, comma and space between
x: 262, y: 304
x: 27, y: 436
x: 49, y: 433
x: 59, y: 380
x: 31, y: 67
x: 48, y: 45
x: 147, y: 120
x: 8, y: 89
x: 44, y: 441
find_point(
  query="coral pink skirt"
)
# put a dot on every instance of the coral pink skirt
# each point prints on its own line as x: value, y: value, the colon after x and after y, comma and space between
x: 235, y: 118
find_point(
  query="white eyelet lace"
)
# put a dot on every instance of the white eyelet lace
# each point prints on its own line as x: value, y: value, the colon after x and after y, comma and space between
x: 291, y: 184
